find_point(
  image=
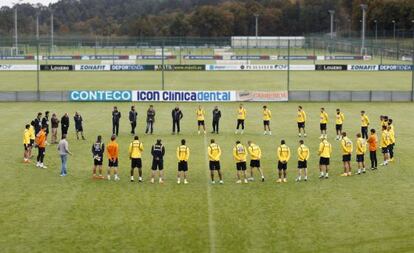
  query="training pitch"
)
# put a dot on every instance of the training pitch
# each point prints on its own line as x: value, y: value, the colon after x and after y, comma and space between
x: 42, y: 212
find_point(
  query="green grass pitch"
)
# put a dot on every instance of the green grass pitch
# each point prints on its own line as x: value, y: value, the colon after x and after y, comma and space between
x: 42, y: 212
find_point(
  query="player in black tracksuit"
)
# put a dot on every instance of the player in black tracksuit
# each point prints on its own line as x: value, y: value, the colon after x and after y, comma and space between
x: 176, y: 115
x: 150, y: 120
x: 133, y: 119
x: 78, y: 125
x: 64, y: 124
x: 98, y: 149
x: 116, y: 116
x: 157, y: 152
x: 38, y: 123
x: 216, y: 120
x: 45, y: 122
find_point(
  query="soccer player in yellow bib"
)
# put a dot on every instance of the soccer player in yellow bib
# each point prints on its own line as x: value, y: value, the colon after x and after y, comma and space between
x: 255, y: 155
x: 283, y: 154
x: 239, y: 155
x: 183, y: 154
x: 347, y: 147
x: 241, y: 116
x: 267, y: 116
x: 135, y: 152
x: 26, y: 143
x: 323, y: 121
x: 361, y: 149
x: 390, y: 129
x: 385, y: 142
x: 200, y: 114
x: 303, y: 157
x: 339, y: 121
x: 325, y: 151
x: 214, y: 153
x: 364, y: 125
x: 32, y: 138
x: 301, y: 120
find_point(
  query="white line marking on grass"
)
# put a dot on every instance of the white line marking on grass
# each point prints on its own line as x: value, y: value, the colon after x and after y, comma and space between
x: 211, y: 222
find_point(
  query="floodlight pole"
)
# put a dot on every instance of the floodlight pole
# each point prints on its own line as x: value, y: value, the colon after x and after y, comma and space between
x: 395, y: 24
x: 15, y: 29
x: 412, y: 66
x: 364, y: 8
x: 37, y: 55
x: 257, y: 28
x: 162, y: 69
x: 332, y: 13
x: 51, y: 29
x: 376, y: 30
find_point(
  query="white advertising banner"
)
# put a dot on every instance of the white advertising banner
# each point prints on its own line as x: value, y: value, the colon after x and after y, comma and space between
x: 93, y: 67
x: 265, y: 96
x: 20, y: 67
x: 363, y: 67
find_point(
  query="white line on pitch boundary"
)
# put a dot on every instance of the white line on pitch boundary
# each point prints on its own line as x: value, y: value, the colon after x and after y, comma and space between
x: 211, y: 222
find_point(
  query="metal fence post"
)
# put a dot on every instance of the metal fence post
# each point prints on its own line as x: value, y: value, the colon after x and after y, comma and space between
x: 288, y: 69
x: 162, y: 63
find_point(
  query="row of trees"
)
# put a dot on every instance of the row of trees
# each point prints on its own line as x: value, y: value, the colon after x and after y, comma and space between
x: 204, y: 17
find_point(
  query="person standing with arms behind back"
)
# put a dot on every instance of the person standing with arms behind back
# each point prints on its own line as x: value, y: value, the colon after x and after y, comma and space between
x: 63, y: 148
x: 303, y: 157
x: 78, y: 125
x: 113, y: 152
x: 301, y: 120
x: 373, y: 144
x: 216, y: 120
x: 38, y: 123
x: 214, y: 153
x: 157, y: 152
x: 176, y: 115
x: 116, y: 116
x: 135, y: 152
x: 98, y: 149
x: 150, y: 120
x: 133, y: 119
x: 183, y: 153
x: 283, y: 154
x: 255, y: 155
x: 55, y: 125
x: 325, y: 151
x: 64, y: 124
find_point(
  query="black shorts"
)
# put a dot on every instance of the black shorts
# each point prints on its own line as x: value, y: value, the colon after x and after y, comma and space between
x: 32, y: 143
x: 266, y: 122
x: 26, y: 147
x: 281, y: 166
x: 301, y: 125
x: 241, y: 166
x: 254, y: 163
x: 323, y: 126
x: 182, y: 166
x: 324, y: 161
x: 112, y: 163
x: 157, y: 164
x: 390, y: 147
x: 214, y: 165
x: 338, y: 127
x: 136, y: 163
x: 346, y: 158
x: 200, y: 122
x: 97, y: 162
x: 360, y: 158
x: 302, y: 164
x: 384, y: 150
x: 79, y: 129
